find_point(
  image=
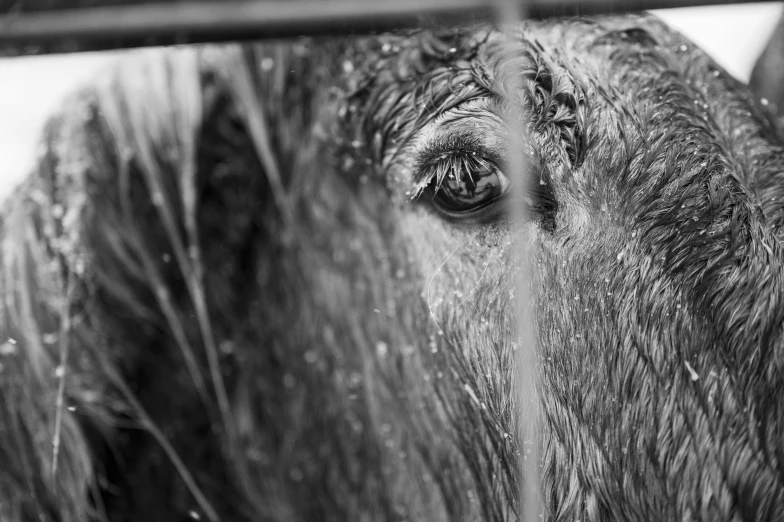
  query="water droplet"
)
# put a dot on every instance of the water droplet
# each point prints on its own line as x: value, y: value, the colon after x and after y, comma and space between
x: 311, y: 356
x: 354, y: 380
x: 470, y: 391
x: 226, y: 347
x: 348, y: 67
x: 7, y: 349
x: 683, y: 48
x: 72, y: 408
x: 764, y: 102
x: 50, y: 338
x: 193, y: 514
x: 619, y: 257
x: 267, y: 64
x: 382, y: 350
x: 348, y: 163
x: 694, y: 375
x: 59, y: 372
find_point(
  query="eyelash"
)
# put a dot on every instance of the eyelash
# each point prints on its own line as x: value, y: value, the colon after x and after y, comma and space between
x: 450, y: 162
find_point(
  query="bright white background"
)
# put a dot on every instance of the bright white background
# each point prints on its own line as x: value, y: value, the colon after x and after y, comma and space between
x: 31, y: 88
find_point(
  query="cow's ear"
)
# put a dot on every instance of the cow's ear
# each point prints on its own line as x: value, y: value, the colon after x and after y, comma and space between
x: 96, y: 249
x: 767, y: 78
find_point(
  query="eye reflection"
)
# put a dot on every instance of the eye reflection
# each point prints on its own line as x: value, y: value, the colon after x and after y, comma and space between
x: 460, y: 183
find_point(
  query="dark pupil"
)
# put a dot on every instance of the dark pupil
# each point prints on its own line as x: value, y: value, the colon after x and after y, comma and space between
x: 463, y: 189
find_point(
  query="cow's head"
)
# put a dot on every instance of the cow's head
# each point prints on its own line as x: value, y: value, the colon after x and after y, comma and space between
x: 294, y: 266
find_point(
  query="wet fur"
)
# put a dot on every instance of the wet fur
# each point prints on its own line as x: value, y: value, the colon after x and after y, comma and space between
x: 256, y: 322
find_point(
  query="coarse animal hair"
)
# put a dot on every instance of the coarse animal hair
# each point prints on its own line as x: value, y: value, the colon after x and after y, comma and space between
x: 221, y: 301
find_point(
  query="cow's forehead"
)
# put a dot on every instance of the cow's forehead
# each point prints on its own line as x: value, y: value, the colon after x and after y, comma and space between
x: 590, y: 85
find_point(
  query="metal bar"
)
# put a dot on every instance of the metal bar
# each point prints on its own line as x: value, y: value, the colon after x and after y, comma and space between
x: 526, y: 372
x: 163, y: 23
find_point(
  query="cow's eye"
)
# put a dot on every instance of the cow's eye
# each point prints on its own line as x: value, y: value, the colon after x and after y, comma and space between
x: 462, y: 184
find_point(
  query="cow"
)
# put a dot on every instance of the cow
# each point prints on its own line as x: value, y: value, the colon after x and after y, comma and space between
x: 279, y: 281
x: 766, y: 76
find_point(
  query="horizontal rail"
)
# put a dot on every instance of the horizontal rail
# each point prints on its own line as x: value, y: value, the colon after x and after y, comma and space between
x: 168, y: 22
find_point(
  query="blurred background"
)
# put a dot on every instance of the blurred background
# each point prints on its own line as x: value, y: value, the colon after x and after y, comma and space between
x: 31, y: 88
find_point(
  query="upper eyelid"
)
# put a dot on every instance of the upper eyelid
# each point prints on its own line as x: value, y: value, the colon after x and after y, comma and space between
x: 448, y: 146
x: 480, y: 113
